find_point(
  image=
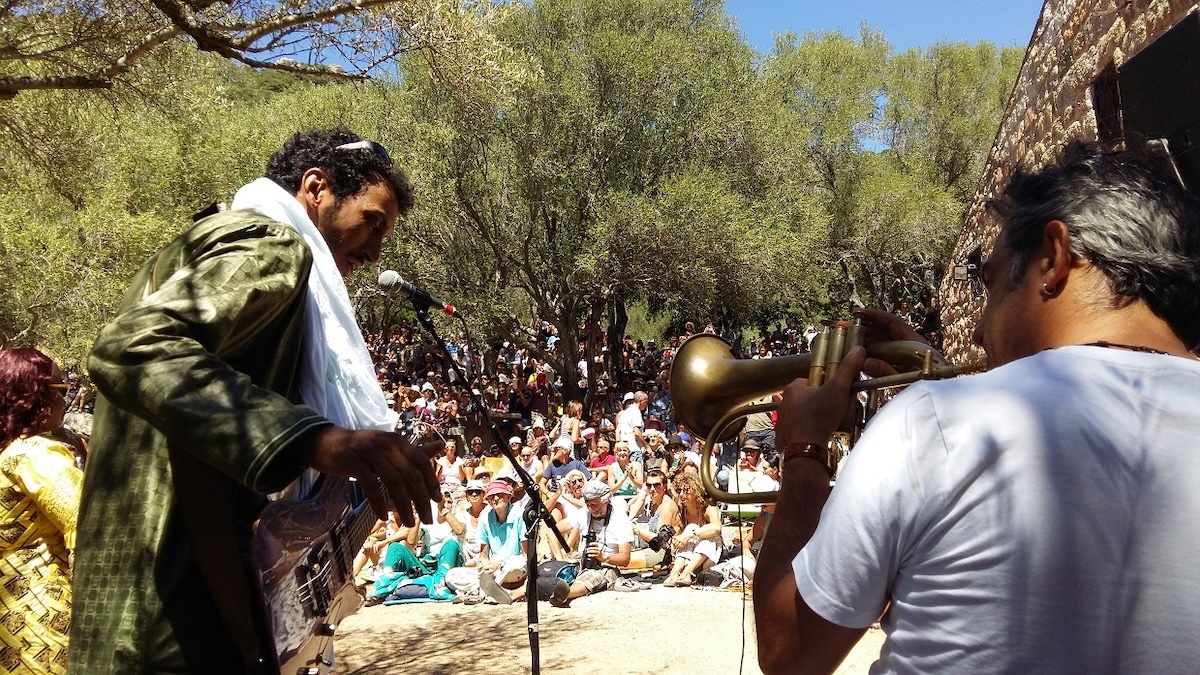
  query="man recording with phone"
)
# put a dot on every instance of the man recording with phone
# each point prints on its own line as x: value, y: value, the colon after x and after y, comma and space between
x: 1039, y: 517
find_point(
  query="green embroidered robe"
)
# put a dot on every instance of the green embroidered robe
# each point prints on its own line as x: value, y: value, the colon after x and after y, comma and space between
x: 197, y: 379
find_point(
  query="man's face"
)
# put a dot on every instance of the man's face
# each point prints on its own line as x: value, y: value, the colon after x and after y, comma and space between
x: 1004, y: 330
x: 354, y: 227
x: 597, y: 507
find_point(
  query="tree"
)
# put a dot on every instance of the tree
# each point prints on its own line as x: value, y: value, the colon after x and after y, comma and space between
x: 549, y: 200
x: 82, y: 44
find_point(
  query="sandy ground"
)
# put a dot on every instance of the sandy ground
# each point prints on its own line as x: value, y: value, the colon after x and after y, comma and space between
x: 660, y: 630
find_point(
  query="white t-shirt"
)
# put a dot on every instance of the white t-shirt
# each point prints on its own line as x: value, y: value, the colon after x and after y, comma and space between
x: 630, y: 419
x: 1041, y: 517
x: 610, y: 536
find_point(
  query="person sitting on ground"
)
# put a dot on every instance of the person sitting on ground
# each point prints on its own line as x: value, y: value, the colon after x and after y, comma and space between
x: 531, y: 463
x: 652, y: 510
x: 560, y: 465
x: 607, y: 537
x: 624, y: 477
x: 502, y: 547
x: 451, y: 471
x: 427, y: 557
x: 470, y: 516
x: 600, y: 466
x: 698, y: 544
x: 537, y: 438
x: 748, y: 469
x: 382, y: 534
x: 568, y: 499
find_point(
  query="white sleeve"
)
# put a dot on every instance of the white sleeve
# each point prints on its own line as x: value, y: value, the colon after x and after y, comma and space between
x: 874, y: 514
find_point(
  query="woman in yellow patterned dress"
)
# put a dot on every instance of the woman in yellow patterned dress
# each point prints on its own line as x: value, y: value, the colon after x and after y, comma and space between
x: 39, y: 502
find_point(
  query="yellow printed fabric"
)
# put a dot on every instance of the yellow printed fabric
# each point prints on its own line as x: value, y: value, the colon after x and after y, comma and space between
x: 39, y: 502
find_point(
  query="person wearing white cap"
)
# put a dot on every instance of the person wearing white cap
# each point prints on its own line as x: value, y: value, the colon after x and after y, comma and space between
x: 561, y: 463
x: 607, y: 537
x: 630, y: 424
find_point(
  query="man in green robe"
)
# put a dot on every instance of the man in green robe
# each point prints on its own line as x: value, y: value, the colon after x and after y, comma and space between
x: 232, y: 366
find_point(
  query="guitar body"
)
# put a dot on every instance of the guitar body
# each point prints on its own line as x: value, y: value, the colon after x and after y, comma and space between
x: 303, y: 555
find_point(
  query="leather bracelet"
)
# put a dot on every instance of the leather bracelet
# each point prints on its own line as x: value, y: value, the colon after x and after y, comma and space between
x: 821, y: 453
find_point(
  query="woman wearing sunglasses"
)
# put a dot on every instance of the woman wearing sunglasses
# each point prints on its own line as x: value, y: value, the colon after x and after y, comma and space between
x: 38, y: 517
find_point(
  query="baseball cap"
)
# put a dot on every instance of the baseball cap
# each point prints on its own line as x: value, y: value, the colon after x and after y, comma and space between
x: 629, y: 396
x: 427, y: 387
x: 476, y: 485
x: 656, y: 465
x: 515, y: 440
x: 675, y: 439
x: 563, y: 442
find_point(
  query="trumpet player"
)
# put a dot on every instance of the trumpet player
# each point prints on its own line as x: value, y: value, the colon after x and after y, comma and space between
x: 1040, y: 517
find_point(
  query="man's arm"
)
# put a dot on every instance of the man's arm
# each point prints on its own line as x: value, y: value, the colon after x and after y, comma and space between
x: 792, y: 638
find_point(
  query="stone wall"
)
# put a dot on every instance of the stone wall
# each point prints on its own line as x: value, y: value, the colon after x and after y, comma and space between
x: 1075, y: 43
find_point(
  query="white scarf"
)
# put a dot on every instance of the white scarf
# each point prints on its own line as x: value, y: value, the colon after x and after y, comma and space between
x: 338, y: 378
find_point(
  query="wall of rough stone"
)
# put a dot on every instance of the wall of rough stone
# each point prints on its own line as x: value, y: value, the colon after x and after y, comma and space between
x: 1072, y: 45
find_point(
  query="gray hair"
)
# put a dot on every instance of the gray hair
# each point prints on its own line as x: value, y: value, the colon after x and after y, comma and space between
x: 1128, y: 216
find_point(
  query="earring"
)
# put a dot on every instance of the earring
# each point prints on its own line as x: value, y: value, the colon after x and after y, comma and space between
x: 1049, y: 291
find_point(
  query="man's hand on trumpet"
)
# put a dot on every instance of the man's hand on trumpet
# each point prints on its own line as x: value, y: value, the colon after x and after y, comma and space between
x: 812, y: 414
x: 881, y: 326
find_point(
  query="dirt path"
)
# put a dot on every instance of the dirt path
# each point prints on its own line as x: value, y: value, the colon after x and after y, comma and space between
x: 661, y: 630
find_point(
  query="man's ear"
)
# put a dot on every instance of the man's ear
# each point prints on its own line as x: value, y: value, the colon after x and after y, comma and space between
x: 1057, y: 261
x: 314, y: 190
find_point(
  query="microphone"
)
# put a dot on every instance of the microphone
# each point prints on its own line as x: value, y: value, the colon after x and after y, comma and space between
x: 391, y: 283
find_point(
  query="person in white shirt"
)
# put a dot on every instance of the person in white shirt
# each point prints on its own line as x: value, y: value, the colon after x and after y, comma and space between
x: 1039, y: 517
x: 607, y: 537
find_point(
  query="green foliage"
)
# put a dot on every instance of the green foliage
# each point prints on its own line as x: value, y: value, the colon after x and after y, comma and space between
x: 607, y: 164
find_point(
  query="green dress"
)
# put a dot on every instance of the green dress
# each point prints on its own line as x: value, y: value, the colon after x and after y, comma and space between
x: 197, y: 379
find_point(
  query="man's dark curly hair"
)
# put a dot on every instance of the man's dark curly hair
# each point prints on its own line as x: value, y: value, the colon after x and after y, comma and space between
x: 349, y: 171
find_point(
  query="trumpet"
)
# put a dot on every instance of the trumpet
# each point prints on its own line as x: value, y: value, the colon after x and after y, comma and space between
x: 713, y: 390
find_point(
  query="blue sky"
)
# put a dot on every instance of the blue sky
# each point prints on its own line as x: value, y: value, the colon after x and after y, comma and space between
x: 905, y: 23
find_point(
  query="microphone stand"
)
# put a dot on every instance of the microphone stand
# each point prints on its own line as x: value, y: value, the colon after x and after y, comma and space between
x: 534, y: 513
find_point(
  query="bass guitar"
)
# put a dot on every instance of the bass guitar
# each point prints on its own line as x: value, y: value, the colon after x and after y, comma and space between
x: 303, y: 557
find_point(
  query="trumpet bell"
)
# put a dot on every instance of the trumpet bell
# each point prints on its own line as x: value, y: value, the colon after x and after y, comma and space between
x: 708, y: 380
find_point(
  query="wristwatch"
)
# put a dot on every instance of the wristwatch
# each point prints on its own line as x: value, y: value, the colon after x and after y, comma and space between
x: 824, y: 454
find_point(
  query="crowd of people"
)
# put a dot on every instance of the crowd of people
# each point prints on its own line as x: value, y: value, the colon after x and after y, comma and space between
x: 626, y: 473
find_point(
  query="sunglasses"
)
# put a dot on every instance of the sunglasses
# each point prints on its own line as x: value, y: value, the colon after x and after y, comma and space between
x: 474, y: 493
x: 372, y: 146
x: 577, y: 481
x: 654, y: 485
